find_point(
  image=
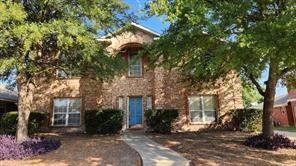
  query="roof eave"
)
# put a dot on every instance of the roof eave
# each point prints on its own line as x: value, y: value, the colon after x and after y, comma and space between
x: 145, y: 29
x: 8, y: 100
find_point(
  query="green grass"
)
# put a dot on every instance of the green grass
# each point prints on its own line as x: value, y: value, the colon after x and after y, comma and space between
x: 286, y: 128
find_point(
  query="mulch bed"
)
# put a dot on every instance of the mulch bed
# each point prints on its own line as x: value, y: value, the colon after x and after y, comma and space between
x: 80, y: 150
x: 222, y: 148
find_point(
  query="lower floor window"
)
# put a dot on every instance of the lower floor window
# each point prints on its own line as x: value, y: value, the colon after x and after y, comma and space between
x: 66, y: 111
x: 202, y: 108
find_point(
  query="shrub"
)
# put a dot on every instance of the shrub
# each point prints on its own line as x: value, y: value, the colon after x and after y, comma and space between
x: 271, y: 143
x: 247, y: 119
x: 160, y: 120
x: 106, y: 121
x: 9, y: 122
x: 91, y: 121
x: 10, y: 149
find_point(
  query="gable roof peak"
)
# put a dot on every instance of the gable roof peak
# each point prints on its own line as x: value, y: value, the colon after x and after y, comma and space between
x: 145, y: 29
x: 133, y: 24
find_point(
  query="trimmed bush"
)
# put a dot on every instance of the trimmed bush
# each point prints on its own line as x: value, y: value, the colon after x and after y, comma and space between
x: 160, y: 120
x: 271, y: 143
x: 91, y: 121
x: 106, y: 121
x: 247, y: 119
x: 9, y: 122
x: 10, y: 149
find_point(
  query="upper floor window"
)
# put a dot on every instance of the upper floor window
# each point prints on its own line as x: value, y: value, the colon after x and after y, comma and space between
x: 134, y: 65
x: 203, y: 109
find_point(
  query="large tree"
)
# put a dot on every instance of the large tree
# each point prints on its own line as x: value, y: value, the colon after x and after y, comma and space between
x: 208, y: 38
x: 39, y: 37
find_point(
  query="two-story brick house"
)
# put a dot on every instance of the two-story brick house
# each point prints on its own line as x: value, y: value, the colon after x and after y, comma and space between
x: 137, y: 90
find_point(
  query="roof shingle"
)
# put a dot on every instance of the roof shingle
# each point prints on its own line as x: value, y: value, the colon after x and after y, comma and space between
x: 8, y: 95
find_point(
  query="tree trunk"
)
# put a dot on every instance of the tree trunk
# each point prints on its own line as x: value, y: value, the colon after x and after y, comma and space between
x: 25, y: 99
x: 267, y: 126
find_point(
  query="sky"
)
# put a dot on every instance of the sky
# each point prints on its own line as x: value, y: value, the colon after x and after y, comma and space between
x: 158, y: 25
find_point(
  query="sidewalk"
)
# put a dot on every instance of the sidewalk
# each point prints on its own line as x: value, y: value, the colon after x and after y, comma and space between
x: 291, y: 135
x: 153, y: 153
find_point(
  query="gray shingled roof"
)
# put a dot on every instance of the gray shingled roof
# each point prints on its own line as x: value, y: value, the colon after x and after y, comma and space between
x: 279, y: 101
x: 8, y: 95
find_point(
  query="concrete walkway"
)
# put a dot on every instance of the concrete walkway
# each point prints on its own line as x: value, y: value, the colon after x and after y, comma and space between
x: 151, y: 152
x: 291, y: 135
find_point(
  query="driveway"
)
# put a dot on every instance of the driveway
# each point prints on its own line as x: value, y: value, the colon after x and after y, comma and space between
x: 291, y: 135
x: 81, y: 150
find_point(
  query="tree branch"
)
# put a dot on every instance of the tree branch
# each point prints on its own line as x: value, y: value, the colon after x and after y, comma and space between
x: 285, y: 71
x: 258, y: 86
x: 254, y: 81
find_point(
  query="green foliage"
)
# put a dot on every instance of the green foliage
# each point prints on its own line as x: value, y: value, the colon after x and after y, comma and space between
x: 106, y: 121
x: 250, y: 95
x: 39, y: 37
x: 160, y: 120
x: 247, y: 119
x: 286, y: 128
x: 9, y: 122
x: 290, y: 81
x: 206, y: 39
x: 91, y: 121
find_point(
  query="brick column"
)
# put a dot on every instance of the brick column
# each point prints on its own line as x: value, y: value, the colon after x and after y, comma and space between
x: 160, y: 87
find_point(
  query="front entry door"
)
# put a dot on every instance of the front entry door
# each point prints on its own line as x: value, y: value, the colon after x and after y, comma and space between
x: 135, y: 111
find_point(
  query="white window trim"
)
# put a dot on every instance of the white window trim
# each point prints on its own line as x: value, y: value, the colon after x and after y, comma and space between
x: 67, y: 113
x: 151, y: 104
x: 120, y: 103
x: 203, y: 111
x: 129, y: 60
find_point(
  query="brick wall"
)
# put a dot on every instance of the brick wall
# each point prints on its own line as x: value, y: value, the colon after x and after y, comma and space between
x: 227, y: 91
x: 166, y: 88
x: 292, y: 92
x: 280, y: 115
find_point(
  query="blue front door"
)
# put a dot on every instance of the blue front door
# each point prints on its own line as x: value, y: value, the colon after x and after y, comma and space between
x: 135, y: 110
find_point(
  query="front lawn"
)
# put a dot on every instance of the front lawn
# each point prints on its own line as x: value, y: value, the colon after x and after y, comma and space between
x: 222, y: 148
x: 286, y: 128
x: 83, y: 150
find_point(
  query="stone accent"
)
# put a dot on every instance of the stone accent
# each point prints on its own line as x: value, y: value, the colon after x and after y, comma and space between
x: 165, y: 86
